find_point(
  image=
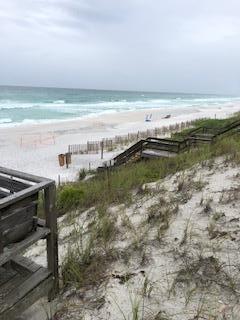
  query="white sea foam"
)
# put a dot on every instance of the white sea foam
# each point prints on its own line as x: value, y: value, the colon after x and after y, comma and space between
x: 61, y: 105
x: 180, y: 105
x: 59, y: 101
x: 5, y: 120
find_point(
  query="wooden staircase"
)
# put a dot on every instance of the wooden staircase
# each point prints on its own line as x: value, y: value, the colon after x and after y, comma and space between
x: 153, y: 147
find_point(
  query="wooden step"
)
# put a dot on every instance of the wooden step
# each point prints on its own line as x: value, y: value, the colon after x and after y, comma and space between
x: 148, y: 153
x: 22, y: 283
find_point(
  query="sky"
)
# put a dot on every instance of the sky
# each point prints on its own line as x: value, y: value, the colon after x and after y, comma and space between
x: 154, y: 45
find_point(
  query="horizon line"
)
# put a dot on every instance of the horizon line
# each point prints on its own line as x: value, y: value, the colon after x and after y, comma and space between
x: 113, y: 90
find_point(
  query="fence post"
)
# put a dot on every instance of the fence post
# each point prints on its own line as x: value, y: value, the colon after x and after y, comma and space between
x: 102, y: 145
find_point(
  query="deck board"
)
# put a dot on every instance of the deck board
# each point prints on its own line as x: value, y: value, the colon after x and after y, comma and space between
x: 22, y: 282
x: 148, y: 153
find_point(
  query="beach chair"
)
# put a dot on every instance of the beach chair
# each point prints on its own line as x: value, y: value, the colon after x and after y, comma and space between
x: 148, y: 118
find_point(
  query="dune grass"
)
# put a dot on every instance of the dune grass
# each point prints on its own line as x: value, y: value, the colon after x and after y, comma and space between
x: 91, y: 253
x: 207, y: 123
x: 116, y: 185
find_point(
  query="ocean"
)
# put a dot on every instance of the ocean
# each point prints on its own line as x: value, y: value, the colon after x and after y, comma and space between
x: 35, y: 105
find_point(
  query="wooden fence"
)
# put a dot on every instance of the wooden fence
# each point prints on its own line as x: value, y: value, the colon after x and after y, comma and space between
x: 109, y: 144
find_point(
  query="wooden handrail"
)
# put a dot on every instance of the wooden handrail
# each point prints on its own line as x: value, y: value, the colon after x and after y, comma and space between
x: 174, y: 145
x: 133, y: 149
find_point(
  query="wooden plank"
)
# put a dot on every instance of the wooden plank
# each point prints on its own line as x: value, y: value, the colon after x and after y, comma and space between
x: 158, y: 154
x: 22, y: 290
x: 18, y: 232
x: 164, y: 147
x: 15, y: 249
x: 18, y: 216
x: 52, y: 238
x: 12, y: 284
x: 164, y: 140
x: 22, y: 264
x: 23, y: 175
x: 3, y: 194
x: 28, y: 300
x: 12, y: 184
x: 19, y: 204
x: 6, y: 274
x: 1, y: 242
x: 9, y: 285
x: 24, y: 193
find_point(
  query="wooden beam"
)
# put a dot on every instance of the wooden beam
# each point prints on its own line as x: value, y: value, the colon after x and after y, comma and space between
x: 13, y: 198
x: 12, y: 184
x: 19, y: 204
x: 23, y: 175
x: 52, y: 238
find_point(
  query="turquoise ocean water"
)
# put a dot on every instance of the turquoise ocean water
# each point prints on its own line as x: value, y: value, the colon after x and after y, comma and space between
x: 34, y: 105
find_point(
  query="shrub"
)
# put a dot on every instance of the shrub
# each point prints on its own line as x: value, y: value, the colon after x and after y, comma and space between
x: 69, y: 197
x: 82, y: 174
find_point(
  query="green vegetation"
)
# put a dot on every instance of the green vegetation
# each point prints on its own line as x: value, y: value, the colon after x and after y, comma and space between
x: 213, y: 124
x: 92, y: 248
x: 82, y: 174
x: 116, y: 187
x: 89, y: 255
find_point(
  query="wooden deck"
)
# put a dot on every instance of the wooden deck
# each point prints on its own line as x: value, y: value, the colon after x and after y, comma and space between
x: 22, y: 282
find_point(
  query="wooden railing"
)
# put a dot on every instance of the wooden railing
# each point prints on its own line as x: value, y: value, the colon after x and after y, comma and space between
x: 198, y: 135
x: 20, y: 228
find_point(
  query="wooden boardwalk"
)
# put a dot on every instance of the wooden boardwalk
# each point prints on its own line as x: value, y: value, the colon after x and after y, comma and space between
x: 153, y: 147
x: 22, y: 282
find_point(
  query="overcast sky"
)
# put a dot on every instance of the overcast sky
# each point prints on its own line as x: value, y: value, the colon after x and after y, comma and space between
x: 161, y: 45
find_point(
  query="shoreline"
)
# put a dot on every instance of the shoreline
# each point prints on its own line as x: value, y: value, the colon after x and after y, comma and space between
x: 34, y: 148
x: 117, y: 118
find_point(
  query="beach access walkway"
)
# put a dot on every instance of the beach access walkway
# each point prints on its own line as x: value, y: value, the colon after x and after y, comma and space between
x: 159, y: 147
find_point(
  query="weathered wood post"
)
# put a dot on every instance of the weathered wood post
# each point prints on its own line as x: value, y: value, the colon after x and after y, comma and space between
x: 102, y: 145
x: 1, y: 239
x: 52, y: 238
x: 108, y: 179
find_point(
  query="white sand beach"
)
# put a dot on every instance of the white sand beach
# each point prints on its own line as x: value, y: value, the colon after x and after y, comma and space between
x: 34, y: 148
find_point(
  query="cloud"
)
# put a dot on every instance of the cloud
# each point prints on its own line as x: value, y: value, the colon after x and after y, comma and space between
x: 172, y: 45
